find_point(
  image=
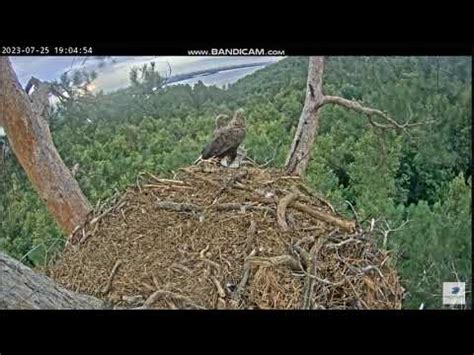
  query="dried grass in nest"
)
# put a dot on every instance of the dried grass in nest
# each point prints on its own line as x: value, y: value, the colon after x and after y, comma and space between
x: 215, y: 237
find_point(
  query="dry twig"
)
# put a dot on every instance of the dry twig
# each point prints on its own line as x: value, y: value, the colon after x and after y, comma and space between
x: 281, y: 210
x: 165, y: 294
x: 107, y: 287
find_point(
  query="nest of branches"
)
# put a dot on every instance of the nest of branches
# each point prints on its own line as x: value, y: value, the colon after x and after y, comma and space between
x: 220, y: 238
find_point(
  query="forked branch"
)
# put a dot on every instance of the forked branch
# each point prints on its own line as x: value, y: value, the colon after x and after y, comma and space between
x: 370, y: 112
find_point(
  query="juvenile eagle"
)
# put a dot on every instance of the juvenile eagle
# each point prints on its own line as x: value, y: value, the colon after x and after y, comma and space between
x: 220, y: 124
x: 226, y: 139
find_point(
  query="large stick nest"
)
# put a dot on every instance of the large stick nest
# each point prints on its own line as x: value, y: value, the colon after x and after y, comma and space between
x: 215, y: 237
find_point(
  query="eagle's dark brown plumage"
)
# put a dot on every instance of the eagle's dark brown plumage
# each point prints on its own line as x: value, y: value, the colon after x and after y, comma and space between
x: 226, y: 140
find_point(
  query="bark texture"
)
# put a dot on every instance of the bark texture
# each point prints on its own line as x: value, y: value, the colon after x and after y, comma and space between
x: 31, y: 142
x: 22, y: 288
x: 308, y: 123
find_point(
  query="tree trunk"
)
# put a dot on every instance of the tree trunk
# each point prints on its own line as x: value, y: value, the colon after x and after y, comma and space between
x: 33, y: 146
x: 40, y: 97
x: 308, y: 124
x: 300, y: 151
x: 21, y: 288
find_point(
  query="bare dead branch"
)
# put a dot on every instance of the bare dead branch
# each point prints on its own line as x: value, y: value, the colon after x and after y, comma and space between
x: 302, y: 253
x: 281, y: 210
x: 356, y: 216
x: 232, y: 180
x: 310, y: 270
x: 220, y: 289
x: 344, y: 224
x: 274, y: 261
x: 114, y: 207
x: 106, y: 289
x: 354, y: 105
x: 313, y: 194
x: 344, y: 242
x: 275, y: 151
x: 168, y: 186
x: 165, y: 181
x: 385, y: 231
x: 168, y: 294
x: 243, y: 207
x: 251, y: 235
x: 236, y: 297
x: 212, y: 263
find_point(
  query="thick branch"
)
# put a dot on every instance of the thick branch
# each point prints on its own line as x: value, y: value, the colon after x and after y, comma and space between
x: 33, y: 146
x: 308, y: 123
x: 21, y: 288
x: 353, y: 105
x: 191, y: 207
x: 310, y: 271
x: 243, y: 207
x: 287, y: 260
x: 236, y: 297
x: 160, y: 294
x: 281, y: 210
x: 348, y: 226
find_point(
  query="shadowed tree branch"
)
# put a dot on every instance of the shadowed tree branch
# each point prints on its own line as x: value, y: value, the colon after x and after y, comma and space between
x: 32, y: 144
x: 354, y: 105
x: 22, y: 288
x: 308, y: 124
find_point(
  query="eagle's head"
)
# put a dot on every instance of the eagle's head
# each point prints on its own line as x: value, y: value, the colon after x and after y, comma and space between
x: 221, y: 121
x: 238, y: 120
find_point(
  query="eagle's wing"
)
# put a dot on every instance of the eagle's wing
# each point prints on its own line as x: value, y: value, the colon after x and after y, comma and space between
x: 224, y: 141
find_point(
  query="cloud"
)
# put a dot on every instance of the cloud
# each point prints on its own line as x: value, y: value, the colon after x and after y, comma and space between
x: 45, y: 68
x: 116, y: 75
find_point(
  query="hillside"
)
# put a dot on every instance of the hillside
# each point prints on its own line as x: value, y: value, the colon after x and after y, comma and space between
x: 423, y: 178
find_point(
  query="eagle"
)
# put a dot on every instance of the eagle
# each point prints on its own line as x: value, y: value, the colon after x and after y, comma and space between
x: 226, y: 138
x: 220, y: 123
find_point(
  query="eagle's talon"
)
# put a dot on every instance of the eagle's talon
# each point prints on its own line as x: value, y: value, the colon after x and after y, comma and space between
x: 234, y: 165
x: 224, y: 162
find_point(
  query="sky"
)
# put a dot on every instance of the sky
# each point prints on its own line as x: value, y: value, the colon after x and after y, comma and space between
x: 115, y: 74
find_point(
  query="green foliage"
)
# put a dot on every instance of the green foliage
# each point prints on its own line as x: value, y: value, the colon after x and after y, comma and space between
x: 146, y: 79
x: 25, y: 223
x: 435, y: 246
x: 421, y: 177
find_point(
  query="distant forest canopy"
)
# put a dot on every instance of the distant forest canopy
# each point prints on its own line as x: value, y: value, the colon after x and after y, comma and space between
x: 423, y: 176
